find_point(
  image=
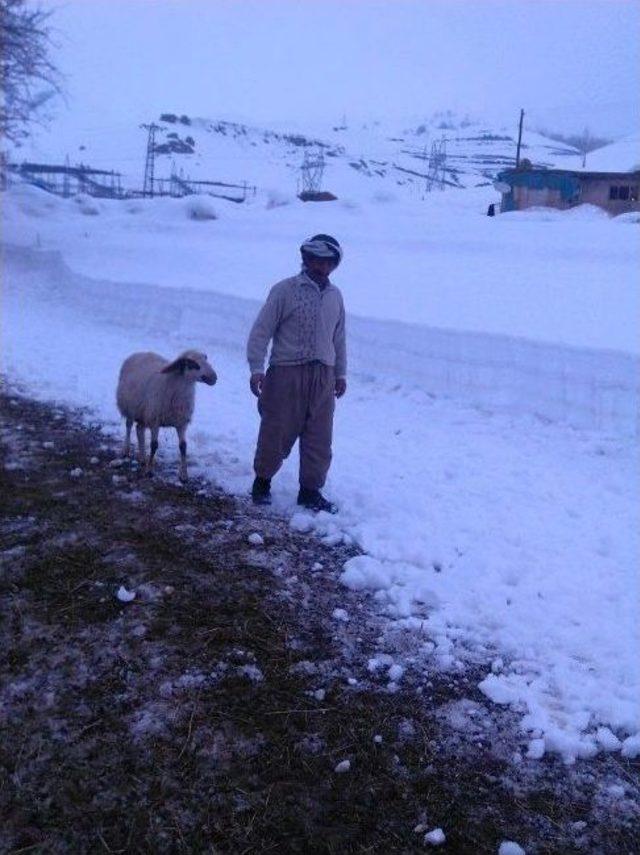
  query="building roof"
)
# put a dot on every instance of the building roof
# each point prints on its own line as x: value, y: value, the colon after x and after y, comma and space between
x: 581, y: 175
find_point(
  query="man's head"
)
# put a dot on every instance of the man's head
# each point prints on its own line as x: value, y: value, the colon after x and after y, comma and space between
x: 321, y: 254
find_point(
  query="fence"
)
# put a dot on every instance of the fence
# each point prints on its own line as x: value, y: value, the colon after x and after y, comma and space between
x: 65, y: 180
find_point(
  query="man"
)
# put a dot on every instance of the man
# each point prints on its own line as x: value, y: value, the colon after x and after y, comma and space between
x: 305, y: 320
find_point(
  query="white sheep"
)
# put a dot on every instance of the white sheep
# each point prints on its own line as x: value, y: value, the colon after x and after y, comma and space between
x: 155, y: 393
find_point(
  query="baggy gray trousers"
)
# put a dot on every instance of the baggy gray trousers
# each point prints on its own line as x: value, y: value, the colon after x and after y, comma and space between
x: 297, y: 402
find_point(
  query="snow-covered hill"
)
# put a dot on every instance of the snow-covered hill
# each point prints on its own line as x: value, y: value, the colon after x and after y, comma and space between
x: 362, y: 160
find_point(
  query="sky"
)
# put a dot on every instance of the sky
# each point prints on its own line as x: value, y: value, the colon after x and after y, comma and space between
x: 568, y: 63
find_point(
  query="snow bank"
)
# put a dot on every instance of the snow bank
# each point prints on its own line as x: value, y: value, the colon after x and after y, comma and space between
x: 585, y: 388
x: 582, y: 387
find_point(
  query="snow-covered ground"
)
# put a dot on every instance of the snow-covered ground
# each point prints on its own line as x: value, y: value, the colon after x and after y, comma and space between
x: 486, y: 452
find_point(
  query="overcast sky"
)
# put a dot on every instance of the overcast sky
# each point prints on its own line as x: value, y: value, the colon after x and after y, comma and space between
x: 567, y: 62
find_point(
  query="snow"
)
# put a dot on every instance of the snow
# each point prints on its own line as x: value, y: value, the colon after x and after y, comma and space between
x: 536, y: 749
x: 499, y: 691
x: 379, y: 661
x: 395, y: 672
x: 436, y: 837
x: 485, y: 456
x: 124, y: 595
x: 607, y: 740
x: 508, y: 847
x: 631, y: 747
x: 301, y: 522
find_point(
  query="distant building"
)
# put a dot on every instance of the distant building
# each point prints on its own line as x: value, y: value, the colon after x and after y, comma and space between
x: 528, y: 187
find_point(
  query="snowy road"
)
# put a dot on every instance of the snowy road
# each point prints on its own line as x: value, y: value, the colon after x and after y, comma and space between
x: 502, y: 537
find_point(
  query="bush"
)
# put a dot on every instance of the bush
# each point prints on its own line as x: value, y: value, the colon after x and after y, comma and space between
x: 276, y: 199
x: 200, y: 209
x: 382, y: 197
x: 88, y: 206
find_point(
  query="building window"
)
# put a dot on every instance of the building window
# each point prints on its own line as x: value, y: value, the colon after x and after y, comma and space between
x: 623, y: 192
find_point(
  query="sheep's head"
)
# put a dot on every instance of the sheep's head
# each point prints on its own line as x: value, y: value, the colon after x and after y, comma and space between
x: 193, y: 365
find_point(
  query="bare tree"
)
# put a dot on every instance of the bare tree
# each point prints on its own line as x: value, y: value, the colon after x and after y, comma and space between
x: 584, y: 142
x: 27, y: 76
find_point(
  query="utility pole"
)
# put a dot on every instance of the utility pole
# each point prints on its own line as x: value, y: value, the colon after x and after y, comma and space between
x: 147, y: 188
x: 519, y: 139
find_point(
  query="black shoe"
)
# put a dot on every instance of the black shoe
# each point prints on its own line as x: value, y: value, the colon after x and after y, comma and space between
x: 261, y: 491
x: 313, y: 500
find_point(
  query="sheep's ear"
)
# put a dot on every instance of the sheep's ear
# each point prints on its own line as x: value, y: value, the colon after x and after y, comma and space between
x: 174, y: 367
x: 180, y: 365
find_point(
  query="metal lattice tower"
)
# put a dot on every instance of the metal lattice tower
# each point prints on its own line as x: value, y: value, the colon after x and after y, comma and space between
x: 147, y: 188
x: 312, y: 170
x: 437, y: 165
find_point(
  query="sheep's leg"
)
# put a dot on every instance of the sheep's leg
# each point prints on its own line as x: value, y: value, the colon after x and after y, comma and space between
x: 182, y: 443
x: 154, y: 447
x: 141, y: 451
x: 127, y: 439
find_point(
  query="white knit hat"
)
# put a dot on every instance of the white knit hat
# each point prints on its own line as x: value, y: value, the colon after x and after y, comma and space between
x: 322, y: 246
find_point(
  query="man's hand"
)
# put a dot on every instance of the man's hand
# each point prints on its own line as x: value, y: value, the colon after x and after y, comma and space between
x: 341, y: 387
x: 255, y: 384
